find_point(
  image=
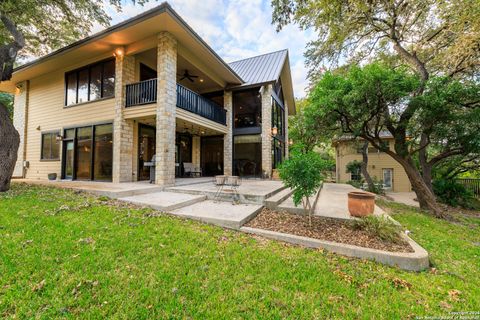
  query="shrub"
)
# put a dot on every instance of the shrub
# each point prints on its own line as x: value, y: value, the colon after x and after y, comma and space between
x: 302, y: 172
x: 379, y: 226
x: 453, y: 193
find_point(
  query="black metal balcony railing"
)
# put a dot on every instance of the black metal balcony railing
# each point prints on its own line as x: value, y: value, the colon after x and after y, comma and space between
x: 142, y: 92
x: 195, y: 103
x: 145, y: 92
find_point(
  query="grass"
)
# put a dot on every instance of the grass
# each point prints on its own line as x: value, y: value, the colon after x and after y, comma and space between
x: 69, y: 255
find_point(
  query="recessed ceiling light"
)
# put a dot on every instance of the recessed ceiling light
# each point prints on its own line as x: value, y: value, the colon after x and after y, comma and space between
x: 201, y: 80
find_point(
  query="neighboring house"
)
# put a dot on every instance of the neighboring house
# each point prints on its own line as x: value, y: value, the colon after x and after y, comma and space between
x: 101, y: 107
x: 381, y: 166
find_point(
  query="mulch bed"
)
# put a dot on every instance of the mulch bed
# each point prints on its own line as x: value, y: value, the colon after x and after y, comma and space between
x: 323, y: 229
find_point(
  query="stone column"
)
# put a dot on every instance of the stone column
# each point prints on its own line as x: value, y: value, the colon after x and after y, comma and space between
x: 266, y: 92
x: 287, y: 143
x: 228, y: 137
x: 196, y: 151
x: 166, y: 109
x: 122, y: 129
x: 20, y: 114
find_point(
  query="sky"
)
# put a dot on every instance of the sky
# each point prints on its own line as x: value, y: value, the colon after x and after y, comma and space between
x: 235, y: 29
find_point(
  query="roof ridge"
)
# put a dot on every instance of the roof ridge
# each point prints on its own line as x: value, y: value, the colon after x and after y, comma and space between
x: 260, y: 55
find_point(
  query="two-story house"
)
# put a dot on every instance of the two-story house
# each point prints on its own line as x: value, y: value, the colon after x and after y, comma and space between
x: 101, y: 107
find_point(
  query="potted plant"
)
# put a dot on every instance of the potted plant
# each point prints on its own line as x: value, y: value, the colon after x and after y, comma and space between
x: 361, y: 204
x: 52, y: 176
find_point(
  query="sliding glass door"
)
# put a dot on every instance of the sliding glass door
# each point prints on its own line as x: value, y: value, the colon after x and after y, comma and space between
x: 88, y: 153
x: 84, y: 154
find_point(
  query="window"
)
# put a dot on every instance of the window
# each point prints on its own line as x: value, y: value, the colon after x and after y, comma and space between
x: 247, y: 106
x: 50, y: 146
x: 247, y: 156
x: 90, y: 83
x: 356, y: 175
x: 278, y: 116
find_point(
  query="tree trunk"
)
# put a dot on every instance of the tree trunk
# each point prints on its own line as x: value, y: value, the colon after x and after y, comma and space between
x: 425, y: 196
x: 424, y: 165
x: 366, y: 175
x: 9, y: 141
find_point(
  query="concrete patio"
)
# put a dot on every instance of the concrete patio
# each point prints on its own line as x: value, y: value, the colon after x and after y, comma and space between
x: 332, y: 202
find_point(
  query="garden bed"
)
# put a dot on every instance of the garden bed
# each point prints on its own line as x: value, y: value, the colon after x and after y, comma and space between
x: 323, y: 228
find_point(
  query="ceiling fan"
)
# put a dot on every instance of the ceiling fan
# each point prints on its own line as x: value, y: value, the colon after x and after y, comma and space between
x: 188, y: 76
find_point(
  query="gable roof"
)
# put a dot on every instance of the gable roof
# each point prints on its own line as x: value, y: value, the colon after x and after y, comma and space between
x: 261, y: 69
x: 264, y: 69
x: 125, y: 33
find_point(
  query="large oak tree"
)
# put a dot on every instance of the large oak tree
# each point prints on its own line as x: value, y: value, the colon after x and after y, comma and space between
x: 433, y: 38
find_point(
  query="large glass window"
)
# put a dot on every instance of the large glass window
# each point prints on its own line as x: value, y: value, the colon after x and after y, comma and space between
x: 278, y: 152
x: 90, y: 83
x: 278, y: 118
x: 103, y: 153
x: 84, y: 153
x: 247, y: 159
x: 247, y: 107
x: 50, y: 146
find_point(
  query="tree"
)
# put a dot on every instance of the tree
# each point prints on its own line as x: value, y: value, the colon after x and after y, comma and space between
x: 365, y: 102
x: 303, y: 173
x: 33, y: 28
x: 439, y: 37
x: 302, y: 131
x: 364, y: 165
x: 432, y: 37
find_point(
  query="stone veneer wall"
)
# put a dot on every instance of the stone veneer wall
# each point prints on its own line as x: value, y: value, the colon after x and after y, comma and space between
x: 122, y: 129
x: 267, y: 130
x: 20, y: 114
x: 228, y: 137
x: 166, y: 109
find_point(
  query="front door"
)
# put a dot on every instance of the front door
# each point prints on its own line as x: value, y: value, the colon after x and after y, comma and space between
x: 146, y: 150
x: 388, y: 178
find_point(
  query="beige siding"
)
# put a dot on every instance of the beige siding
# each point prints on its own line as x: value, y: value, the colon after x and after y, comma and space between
x: 346, y: 152
x: 46, y: 112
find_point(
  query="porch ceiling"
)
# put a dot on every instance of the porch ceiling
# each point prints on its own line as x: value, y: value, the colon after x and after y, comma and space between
x: 183, y: 126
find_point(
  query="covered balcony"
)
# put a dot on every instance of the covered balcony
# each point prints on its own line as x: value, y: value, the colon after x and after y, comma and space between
x: 145, y: 92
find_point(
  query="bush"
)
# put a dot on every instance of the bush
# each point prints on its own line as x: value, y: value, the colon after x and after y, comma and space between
x: 453, y: 193
x: 356, y: 184
x: 302, y: 172
x: 379, y: 226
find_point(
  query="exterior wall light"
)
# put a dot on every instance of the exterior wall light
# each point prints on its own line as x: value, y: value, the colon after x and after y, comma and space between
x: 59, y: 137
x: 274, y: 131
x: 119, y: 52
x: 290, y: 141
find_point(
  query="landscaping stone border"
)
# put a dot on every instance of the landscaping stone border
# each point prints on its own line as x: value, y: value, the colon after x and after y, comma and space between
x: 412, y: 261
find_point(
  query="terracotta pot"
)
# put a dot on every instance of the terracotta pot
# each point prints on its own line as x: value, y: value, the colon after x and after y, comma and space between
x: 361, y: 204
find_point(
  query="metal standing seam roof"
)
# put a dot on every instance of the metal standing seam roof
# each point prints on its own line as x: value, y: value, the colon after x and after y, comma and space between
x: 260, y: 69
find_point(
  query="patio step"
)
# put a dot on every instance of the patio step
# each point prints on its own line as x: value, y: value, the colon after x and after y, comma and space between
x: 276, y: 199
x: 220, y: 213
x: 289, y: 206
x: 164, y: 201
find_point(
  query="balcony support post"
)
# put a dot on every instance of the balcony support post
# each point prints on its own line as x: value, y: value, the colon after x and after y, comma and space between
x: 166, y: 109
x: 228, y: 137
x: 122, y: 170
x: 266, y: 92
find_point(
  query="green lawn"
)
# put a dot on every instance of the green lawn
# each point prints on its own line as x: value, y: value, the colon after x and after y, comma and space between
x: 68, y: 255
